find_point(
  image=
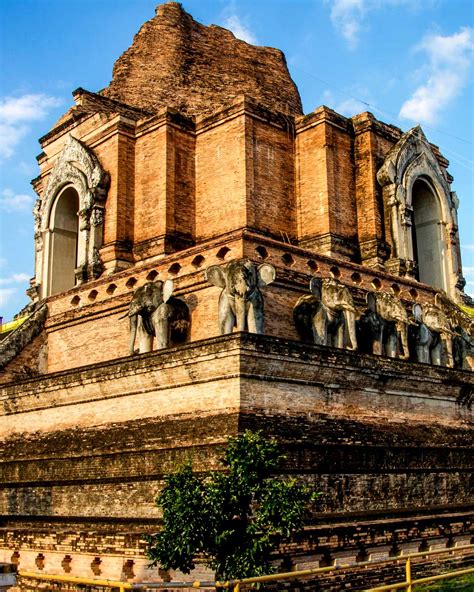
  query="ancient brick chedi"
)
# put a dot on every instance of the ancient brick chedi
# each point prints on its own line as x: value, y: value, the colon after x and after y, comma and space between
x: 209, y: 259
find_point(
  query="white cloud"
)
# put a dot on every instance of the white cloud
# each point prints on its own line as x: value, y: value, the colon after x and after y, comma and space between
x: 467, y: 247
x: 27, y: 107
x: 5, y: 295
x: 447, y: 72
x: 15, y: 115
x: 468, y: 270
x: 239, y: 29
x: 10, y: 135
x: 349, y: 16
x: 349, y: 106
x: 15, y: 278
x: 10, y: 202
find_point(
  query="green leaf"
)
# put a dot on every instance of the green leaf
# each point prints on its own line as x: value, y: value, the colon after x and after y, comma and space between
x: 231, y: 520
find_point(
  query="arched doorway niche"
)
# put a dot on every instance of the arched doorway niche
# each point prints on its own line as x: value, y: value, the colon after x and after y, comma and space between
x: 428, y: 235
x: 69, y: 220
x: 63, y: 235
x: 422, y: 213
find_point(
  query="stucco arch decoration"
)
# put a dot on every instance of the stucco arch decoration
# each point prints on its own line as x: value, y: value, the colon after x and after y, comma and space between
x: 77, y: 167
x: 411, y: 159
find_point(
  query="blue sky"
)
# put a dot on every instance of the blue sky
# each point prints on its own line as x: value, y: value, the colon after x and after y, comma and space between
x: 407, y: 61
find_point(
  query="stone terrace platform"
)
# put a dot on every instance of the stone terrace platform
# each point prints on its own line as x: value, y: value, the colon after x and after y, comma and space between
x: 387, y: 442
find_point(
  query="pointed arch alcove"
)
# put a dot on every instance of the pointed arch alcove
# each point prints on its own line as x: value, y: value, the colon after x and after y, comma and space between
x: 423, y: 215
x: 69, y: 219
x: 64, y: 232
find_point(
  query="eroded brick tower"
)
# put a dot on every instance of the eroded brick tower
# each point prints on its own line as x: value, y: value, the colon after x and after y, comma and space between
x: 198, y: 154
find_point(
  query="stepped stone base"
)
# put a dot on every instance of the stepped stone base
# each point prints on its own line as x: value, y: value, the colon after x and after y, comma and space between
x: 386, y: 442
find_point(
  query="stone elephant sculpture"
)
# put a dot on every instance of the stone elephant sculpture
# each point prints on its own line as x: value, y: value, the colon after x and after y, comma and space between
x: 392, y: 310
x: 241, y: 301
x: 327, y: 315
x: 426, y: 343
x: 373, y: 331
x: 438, y: 322
x: 149, y: 312
x: 463, y: 346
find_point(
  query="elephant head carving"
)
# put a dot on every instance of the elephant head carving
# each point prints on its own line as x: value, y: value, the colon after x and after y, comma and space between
x: 149, y: 306
x: 426, y: 343
x: 327, y: 315
x: 241, y: 300
x: 372, y: 328
x: 463, y: 345
x: 433, y: 335
x: 393, y: 312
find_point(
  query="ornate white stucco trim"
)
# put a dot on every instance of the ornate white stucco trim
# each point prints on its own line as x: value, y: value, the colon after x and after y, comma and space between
x: 77, y: 166
x: 410, y: 159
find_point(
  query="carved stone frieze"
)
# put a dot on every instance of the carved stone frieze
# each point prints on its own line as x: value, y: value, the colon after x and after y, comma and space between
x: 97, y: 216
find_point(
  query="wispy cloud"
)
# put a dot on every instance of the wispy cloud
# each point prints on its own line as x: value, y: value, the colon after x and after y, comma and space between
x: 447, y: 72
x: 11, y: 202
x: 240, y: 30
x: 16, y: 115
x: 349, y: 106
x: 12, y: 281
x: 349, y: 17
x: 15, y: 278
x: 6, y: 294
x: 237, y: 23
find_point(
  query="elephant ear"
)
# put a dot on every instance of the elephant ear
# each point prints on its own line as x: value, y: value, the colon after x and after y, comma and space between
x: 168, y: 286
x: 315, y: 286
x: 215, y: 275
x: 418, y: 313
x: 266, y: 274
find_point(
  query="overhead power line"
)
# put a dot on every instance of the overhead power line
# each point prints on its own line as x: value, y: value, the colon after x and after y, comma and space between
x: 332, y: 86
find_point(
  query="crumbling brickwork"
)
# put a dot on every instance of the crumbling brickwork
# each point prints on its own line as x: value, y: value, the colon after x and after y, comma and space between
x: 197, y: 155
x: 177, y: 62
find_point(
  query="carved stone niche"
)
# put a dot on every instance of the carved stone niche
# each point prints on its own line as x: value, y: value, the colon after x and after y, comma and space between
x: 69, y: 219
x: 422, y: 213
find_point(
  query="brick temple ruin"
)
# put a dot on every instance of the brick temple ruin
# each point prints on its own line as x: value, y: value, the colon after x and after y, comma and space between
x: 197, y: 164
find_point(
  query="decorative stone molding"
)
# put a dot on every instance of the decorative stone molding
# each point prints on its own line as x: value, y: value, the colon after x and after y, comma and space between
x: 411, y: 159
x: 77, y: 167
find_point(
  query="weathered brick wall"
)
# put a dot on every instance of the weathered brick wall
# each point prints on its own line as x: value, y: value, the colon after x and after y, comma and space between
x: 175, y: 61
x: 220, y: 178
x: 340, y: 416
x: 84, y: 324
x: 150, y: 184
x: 271, y: 206
x: 325, y: 184
x: 312, y: 196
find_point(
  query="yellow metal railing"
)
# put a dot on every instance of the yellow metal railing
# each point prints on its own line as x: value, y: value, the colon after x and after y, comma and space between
x: 408, y: 584
x: 121, y: 586
x: 11, y: 325
x: 469, y: 310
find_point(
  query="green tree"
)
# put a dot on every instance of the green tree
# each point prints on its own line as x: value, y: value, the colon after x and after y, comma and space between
x: 230, y: 520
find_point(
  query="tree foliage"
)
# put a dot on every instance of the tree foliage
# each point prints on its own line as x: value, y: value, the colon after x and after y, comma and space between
x: 230, y: 520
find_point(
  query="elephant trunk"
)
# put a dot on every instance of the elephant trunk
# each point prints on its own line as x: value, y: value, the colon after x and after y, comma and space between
x: 133, y: 334
x: 241, y: 312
